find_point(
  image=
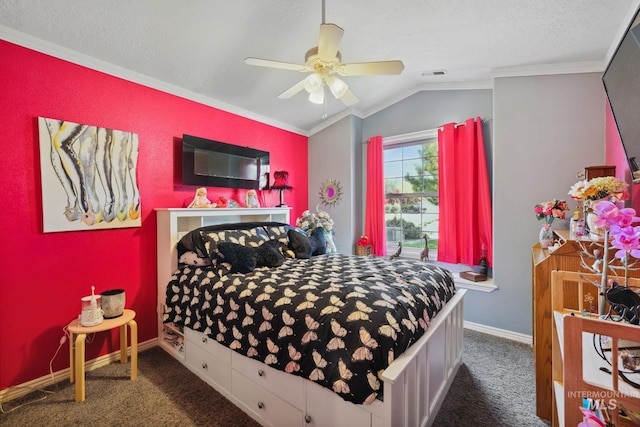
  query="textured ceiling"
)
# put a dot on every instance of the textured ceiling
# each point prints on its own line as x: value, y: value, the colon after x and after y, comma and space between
x: 195, y: 48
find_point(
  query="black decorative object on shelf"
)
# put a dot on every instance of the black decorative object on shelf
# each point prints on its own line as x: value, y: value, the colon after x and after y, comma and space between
x: 484, y: 265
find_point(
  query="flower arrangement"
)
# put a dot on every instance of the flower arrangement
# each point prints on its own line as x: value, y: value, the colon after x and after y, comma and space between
x: 551, y: 210
x: 605, y: 187
x: 309, y: 221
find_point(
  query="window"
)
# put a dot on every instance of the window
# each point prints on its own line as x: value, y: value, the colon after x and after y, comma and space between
x: 411, y: 191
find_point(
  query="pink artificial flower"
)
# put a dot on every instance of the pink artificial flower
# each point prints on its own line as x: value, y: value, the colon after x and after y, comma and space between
x: 606, y: 212
x: 627, y: 216
x: 627, y: 240
x: 613, y: 218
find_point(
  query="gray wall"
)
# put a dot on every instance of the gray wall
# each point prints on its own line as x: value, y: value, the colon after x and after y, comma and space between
x: 545, y: 129
x: 429, y: 110
x: 335, y: 153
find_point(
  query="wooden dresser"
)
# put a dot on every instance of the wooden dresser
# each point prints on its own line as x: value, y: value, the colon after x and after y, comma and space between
x: 565, y: 258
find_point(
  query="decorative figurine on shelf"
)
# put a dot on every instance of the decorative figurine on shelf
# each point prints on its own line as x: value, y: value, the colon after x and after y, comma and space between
x: 424, y: 255
x: 251, y: 199
x: 398, y: 252
x: 201, y: 200
x: 222, y: 202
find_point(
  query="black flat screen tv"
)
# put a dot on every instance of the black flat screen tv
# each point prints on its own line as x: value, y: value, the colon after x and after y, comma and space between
x: 209, y: 163
x: 622, y: 84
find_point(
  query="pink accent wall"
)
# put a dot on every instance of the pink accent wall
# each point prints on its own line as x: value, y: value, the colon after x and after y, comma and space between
x: 615, y: 155
x: 43, y: 276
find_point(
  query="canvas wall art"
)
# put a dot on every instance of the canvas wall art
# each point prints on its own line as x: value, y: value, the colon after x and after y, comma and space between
x: 88, y: 177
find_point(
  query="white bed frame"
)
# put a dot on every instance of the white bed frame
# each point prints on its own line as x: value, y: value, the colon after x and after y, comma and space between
x: 415, y: 384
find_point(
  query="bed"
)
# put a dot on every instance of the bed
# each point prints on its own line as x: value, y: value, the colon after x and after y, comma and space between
x: 300, y: 339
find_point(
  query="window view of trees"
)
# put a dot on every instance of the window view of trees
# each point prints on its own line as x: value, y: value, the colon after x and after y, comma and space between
x: 411, y: 190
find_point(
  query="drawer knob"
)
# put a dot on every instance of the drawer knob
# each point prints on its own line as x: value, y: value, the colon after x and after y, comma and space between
x: 204, y: 366
x: 204, y: 340
x: 307, y: 419
x: 260, y: 373
x: 260, y: 405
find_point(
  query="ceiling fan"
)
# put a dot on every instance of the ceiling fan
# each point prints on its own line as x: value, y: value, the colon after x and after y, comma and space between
x: 324, y: 62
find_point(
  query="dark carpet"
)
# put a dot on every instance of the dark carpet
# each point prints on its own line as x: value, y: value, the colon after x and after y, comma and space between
x: 494, y: 387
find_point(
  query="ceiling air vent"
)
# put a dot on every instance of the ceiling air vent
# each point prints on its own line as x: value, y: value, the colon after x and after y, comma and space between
x: 434, y: 73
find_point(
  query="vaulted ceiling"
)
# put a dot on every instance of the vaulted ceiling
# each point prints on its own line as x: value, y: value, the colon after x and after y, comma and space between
x: 196, y: 48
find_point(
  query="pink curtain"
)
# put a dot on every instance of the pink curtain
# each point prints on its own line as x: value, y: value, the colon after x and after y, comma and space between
x: 465, y: 224
x: 374, y: 225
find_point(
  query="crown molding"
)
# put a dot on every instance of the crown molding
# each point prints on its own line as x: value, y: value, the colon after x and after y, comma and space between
x: 334, y: 119
x: 84, y: 60
x: 549, y: 69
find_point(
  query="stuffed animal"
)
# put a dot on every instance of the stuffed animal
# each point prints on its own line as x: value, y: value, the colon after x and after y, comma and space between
x: 201, y: 200
x: 251, y: 199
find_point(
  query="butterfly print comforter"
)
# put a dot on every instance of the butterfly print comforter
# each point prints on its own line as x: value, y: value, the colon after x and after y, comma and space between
x: 338, y: 320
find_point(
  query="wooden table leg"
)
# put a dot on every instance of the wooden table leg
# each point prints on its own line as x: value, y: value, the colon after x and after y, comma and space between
x: 123, y: 343
x: 79, y: 366
x: 72, y: 358
x: 133, y: 328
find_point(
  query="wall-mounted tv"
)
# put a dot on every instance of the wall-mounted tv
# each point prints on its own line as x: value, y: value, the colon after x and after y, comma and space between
x: 217, y: 164
x: 622, y: 84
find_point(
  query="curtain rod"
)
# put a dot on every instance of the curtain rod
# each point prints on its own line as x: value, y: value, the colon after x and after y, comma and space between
x: 462, y: 124
x: 414, y: 136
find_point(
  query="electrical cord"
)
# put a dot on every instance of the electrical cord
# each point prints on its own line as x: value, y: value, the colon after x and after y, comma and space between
x: 45, y: 392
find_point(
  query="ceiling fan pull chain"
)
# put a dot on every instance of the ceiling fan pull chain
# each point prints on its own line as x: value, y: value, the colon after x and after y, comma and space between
x: 324, y: 107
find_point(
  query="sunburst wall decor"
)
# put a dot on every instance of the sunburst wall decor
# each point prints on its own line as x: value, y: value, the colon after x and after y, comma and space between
x: 330, y: 192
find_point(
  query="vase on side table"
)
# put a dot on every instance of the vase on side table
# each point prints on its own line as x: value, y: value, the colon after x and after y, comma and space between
x: 546, y: 236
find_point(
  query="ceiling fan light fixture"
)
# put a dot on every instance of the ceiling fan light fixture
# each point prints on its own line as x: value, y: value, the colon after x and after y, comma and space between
x: 317, y: 97
x: 313, y: 83
x: 337, y: 86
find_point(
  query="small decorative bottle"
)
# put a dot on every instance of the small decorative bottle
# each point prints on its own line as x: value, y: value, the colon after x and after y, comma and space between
x: 484, y: 265
x: 573, y: 226
x: 580, y: 227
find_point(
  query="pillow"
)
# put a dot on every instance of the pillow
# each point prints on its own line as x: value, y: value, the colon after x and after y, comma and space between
x: 318, y: 242
x: 241, y: 258
x: 252, y: 237
x: 268, y: 254
x: 300, y: 244
x: 278, y: 233
x: 192, y: 258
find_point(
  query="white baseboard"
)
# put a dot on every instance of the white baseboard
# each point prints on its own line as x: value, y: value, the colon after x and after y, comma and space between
x: 502, y: 333
x: 39, y: 383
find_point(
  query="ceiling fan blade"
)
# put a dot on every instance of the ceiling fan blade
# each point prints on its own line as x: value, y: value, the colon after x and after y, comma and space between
x: 276, y: 64
x: 329, y: 41
x: 349, y: 98
x: 293, y: 90
x: 371, y: 68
